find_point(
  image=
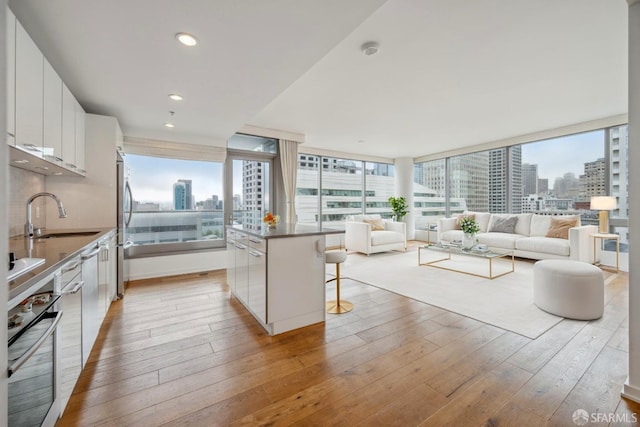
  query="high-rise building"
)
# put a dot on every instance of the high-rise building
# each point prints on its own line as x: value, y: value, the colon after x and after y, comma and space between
x: 469, y: 180
x: 179, y: 196
x: 593, y: 181
x: 189, y: 202
x: 543, y: 186
x: 255, y: 193
x: 619, y: 172
x: 566, y: 186
x: 530, y: 179
x: 501, y: 171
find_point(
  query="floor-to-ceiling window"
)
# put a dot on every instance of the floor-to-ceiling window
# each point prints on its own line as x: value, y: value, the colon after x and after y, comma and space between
x: 379, y: 186
x: 329, y: 190
x: 554, y: 175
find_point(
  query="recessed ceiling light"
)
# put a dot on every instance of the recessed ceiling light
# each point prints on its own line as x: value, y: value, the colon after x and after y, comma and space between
x: 42, y: 168
x: 57, y: 173
x: 169, y: 125
x: 370, y: 48
x: 21, y: 162
x: 176, y: 97
x: 187, y: 39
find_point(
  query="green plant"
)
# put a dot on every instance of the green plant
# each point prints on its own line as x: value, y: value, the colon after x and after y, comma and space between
x: 399, y: 207
x: 469, y: 225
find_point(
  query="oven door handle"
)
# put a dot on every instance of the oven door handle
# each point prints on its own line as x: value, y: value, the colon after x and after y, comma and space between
x: 22, y: 359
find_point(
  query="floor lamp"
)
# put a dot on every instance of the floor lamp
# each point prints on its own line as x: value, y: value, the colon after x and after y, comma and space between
x: 604, y: 204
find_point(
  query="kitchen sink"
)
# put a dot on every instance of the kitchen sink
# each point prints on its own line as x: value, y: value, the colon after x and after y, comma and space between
x: 66, y: 234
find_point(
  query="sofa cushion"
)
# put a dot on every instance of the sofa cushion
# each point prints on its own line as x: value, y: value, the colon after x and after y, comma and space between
x: 482, y: 218
x: 385, y: 237
x: 559, y: 228
x: 361, y: 218
x: 540, y: 223
x: 451, y: 235
x: 503, y: 224
x: 545, y: 245
x: 499, y: 240
x: 523, y: 225
x: 376, y: 223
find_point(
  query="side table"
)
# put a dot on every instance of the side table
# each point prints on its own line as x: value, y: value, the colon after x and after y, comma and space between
x: 603, y: 237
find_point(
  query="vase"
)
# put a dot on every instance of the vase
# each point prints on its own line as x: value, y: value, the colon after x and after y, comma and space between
x: 468, y: 240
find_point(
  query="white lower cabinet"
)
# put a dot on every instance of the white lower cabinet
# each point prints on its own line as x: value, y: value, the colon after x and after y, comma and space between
x: 90, y: 302
x: 258, y: 284
x: 70, y: 358
x: 279, y: 280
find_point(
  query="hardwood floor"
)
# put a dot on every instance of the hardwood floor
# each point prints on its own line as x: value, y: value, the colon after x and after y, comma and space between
x: 181, y: 351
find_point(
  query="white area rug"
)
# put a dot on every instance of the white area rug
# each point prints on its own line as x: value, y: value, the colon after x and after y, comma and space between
x: 506, y: 302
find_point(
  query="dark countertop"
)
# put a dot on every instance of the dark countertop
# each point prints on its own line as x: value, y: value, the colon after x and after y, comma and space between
x: 287, y: 230
x: 56, y: 252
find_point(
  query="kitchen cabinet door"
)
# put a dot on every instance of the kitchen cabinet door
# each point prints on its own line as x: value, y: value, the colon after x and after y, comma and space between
x: 112, y: 265
x: 231, y: 261
x: 11, y: 76
x: 52, y: 115
x: 29, y: 89
x: 242, y: 269
x: 258, y: 284
x: 79, y: 134
x: 68, y: 128
x: 70, y: 338
x: 90, y: 302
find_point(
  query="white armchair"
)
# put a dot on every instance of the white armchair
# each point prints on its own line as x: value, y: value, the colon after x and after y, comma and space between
x: 360, y: 237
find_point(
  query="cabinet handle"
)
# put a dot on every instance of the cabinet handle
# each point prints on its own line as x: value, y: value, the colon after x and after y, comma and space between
x: 70, y: 165
x: 255, y: 241
x: 255, y: 254
x: 76, y: 287
x: 70, y: 267
x: 90, y: 254
x: 243, y: 247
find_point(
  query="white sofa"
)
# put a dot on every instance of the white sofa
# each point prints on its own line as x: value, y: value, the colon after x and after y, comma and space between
x: 528, y: 239
x: 360, y: 237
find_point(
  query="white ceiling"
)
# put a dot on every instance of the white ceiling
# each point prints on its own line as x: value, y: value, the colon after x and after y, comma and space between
x: 449, y: 74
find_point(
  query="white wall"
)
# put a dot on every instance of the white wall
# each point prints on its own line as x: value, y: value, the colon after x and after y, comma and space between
x: 632, y: 387
x: 171, y: 265
x: 4, y: 215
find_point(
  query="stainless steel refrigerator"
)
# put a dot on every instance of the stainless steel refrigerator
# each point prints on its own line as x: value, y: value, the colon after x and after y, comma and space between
x: 124, y: 206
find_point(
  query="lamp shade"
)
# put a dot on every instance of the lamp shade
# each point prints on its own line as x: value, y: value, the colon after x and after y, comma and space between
x: 603, y: 203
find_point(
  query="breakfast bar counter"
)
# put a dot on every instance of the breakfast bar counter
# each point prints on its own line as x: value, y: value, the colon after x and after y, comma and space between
x: 279, y: 274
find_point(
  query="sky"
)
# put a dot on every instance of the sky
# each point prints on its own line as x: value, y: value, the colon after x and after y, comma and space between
x: 152, y: 178
x: 557, y: 156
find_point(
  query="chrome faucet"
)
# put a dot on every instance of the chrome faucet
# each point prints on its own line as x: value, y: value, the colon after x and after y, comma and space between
x: 28, y: 227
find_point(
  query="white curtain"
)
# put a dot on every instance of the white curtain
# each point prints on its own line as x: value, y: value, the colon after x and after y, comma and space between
x: 289, y: 163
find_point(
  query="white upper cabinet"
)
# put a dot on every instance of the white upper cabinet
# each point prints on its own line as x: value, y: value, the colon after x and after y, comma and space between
x: 11, y: 77
x: 29, y: 90
x: 80, y: 148
x: 52, y: 114
x: 68, y: 128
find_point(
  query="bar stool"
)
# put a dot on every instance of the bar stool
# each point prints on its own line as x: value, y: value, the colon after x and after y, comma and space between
x: 337, y: 306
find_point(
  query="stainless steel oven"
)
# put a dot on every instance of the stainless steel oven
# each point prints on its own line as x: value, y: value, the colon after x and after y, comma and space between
x: 32, y: 359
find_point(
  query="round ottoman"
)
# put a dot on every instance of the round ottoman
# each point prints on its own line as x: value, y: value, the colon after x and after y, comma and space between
x: 571, y: 289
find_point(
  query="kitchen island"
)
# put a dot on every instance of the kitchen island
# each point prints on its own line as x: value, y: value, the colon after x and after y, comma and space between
x: 279, y: 274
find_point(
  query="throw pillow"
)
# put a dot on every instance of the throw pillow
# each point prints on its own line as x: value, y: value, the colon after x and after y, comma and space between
x: 472, y: 216
x: 376, y: 223
x: 559, y: 228
x: 504, y: 225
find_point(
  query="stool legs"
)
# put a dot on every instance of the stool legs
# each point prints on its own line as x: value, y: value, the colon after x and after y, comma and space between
x: 337, y: 306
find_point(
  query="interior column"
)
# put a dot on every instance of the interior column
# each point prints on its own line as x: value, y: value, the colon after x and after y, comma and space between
x: 404, y: 188
x: 631, y: 389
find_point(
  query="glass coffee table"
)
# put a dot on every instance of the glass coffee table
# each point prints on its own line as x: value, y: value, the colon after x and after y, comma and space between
x: 450, y: 249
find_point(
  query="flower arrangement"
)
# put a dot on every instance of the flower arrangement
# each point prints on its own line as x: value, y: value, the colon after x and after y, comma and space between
x: 271, y: 220
x: 469, y: 225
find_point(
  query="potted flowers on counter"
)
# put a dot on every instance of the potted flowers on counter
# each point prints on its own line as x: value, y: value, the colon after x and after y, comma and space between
x: 271, y: 220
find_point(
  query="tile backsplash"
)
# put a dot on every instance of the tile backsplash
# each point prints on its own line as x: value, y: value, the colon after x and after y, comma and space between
x: 22, y: 185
